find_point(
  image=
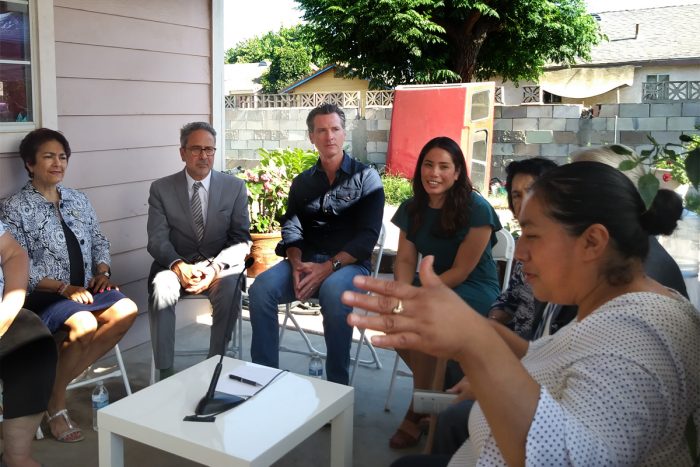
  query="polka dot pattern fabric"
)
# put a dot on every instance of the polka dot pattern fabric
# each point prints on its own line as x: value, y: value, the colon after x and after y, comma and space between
x: 617, y: 388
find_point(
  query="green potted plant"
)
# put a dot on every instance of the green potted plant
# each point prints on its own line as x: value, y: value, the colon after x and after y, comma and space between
x: 268, y: 189
x: 683, y: 161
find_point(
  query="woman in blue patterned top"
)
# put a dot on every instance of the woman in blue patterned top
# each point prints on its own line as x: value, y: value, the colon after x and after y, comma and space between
x: 448, y: 219
x: 69, y: 276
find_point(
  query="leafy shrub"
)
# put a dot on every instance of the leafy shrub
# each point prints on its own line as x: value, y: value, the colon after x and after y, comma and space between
x: 397, y: 189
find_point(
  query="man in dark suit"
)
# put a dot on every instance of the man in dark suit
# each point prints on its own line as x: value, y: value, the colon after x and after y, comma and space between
x: 198, y: 235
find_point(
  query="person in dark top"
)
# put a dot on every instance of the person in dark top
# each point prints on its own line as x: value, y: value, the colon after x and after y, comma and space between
x: 27, y: 357
x: 333, y: 220
x: 70, y: 285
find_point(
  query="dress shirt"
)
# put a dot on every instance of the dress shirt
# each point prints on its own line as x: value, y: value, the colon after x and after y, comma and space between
x: 203, y: 192
x: 325, y: 219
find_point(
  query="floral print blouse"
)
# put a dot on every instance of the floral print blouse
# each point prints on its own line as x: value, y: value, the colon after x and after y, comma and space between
x: 33, y: 221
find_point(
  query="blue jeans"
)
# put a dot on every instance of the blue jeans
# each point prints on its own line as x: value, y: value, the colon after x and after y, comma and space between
x: 275, y: 286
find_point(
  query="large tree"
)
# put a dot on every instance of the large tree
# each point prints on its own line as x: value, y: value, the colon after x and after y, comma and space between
x: 290, y: 51
x: 393, y: 42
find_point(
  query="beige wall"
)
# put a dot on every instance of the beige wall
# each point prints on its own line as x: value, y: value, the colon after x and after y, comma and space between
x: 328, y: 82
x: 129, y: 74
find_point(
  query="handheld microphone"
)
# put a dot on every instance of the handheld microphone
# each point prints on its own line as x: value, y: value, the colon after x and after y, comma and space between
x: 216, y: 402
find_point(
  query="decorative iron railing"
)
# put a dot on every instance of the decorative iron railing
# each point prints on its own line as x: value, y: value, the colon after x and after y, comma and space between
x: 379, y: 99
x: 532, y: 95
x: 306, y: 100
x: 671, y: 91
x: 498, y: 95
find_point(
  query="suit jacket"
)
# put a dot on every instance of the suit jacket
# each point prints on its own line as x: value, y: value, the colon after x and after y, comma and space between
x: 171, y: 231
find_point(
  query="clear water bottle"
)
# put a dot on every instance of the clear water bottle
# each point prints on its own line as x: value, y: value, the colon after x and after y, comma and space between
x: 100, y: 398
x: 316, y: 366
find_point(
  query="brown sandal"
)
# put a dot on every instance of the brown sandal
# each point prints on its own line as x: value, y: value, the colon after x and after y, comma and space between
x: 408, y: 435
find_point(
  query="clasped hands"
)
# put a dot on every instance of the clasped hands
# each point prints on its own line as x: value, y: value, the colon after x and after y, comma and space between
x: 99, y: 283
x: 307, y: 277
x: 195, y: 278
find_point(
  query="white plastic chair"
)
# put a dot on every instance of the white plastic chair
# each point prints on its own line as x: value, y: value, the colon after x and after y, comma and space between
x: 502, y: 251
x: 81, y: 381
x: 311, y: 350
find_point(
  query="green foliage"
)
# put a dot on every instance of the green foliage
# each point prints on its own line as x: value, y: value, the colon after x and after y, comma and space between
x: 268, y: 185
x: 684, y: 162
x: 392, y: 42
x: 290, y: 50
x: 396, y: 189
x: 289, y: 65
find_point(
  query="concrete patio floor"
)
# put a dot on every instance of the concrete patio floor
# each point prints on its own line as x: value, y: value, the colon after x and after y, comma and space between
x: 372, y: 425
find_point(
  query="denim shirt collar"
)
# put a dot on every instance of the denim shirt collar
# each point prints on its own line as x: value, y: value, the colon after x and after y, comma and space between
x: 345, y: 165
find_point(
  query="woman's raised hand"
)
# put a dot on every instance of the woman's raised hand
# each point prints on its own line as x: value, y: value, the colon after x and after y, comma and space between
x: 431, y: 318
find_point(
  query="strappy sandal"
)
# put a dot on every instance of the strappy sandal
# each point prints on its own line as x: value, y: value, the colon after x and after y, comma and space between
x: 407, y: 435
x: 69, y: 435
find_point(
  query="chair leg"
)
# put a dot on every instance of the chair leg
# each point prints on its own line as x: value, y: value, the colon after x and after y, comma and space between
x: 393, y: 381
x: 289, y: 316
x: 153, y: 369
x: 436, y: 385
x: 122, y: 368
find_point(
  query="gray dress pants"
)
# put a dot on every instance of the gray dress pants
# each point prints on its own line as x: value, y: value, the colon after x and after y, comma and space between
x: 164, y: 291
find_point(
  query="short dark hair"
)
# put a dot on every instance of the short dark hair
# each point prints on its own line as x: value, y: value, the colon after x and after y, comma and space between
x: 534, y: 166
x: 324, y: 109
x: 581, y: 194
x: 191, y: 127
x: 31, y: 142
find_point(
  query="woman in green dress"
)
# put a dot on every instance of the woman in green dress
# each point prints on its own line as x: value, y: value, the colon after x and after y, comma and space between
x: 448, y: 219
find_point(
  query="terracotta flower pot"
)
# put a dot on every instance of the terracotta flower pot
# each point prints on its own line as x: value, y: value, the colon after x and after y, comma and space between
x: 263, y: 252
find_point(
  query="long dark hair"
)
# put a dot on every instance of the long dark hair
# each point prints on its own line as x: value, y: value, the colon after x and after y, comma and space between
x: 581, y: 194
x: 454, y: 214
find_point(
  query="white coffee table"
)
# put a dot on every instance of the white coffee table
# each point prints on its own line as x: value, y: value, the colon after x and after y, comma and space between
x: 256, y: 433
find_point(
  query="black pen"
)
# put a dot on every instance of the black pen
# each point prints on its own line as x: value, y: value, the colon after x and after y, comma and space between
x: 244, y: 380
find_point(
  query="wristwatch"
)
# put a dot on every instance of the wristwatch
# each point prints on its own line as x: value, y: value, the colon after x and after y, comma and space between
x: 336, y: 264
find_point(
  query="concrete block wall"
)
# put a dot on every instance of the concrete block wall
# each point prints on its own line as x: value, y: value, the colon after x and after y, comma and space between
x: 556, y: 130
x: 522, y: 131
x: 248, y: 130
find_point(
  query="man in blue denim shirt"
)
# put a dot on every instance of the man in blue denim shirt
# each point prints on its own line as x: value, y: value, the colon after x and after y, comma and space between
x: 333, y: 220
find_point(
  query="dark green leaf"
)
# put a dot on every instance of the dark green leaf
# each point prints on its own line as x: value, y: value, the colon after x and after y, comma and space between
x: 685, y: 138
x: 692, y: 166
x: 648, y: 186
x: 645, y: 152
x: 621, y: 150
x: 653, y: 141
x: 627, y: 164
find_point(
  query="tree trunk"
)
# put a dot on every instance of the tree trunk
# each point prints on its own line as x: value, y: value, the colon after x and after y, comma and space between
x: 467, y: 38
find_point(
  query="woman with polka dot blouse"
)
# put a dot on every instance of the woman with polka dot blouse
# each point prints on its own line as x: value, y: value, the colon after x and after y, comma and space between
x: 618, y: 385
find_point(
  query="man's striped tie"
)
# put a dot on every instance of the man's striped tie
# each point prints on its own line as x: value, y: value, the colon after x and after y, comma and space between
x: 196, y: 206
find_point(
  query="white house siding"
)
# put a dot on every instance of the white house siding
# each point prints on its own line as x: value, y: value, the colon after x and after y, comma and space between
x: 129, y: 74
x: 628, y: 94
